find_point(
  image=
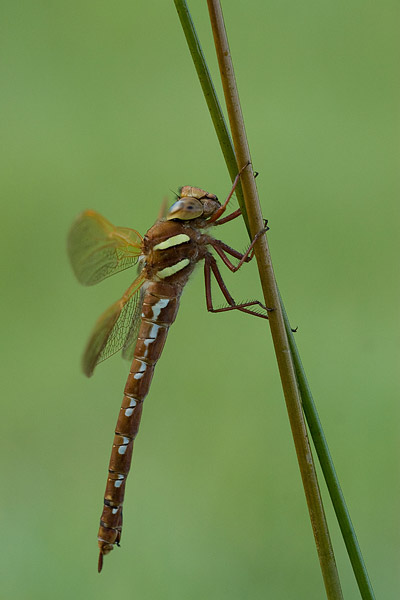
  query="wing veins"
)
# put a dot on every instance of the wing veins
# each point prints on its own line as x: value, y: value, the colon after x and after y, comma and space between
x: 114, y: 326
x: 97, y: 249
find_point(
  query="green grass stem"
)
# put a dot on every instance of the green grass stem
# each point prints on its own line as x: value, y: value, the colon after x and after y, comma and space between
x: 329, y: 472
x: 212, y: 101
x: 309, y: 408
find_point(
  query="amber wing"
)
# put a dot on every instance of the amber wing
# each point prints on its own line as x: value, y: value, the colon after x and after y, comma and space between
x: 98, y: 249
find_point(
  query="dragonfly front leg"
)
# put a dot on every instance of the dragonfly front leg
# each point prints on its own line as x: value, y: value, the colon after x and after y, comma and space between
x: 221, y: 210
x: 228, y: 218
x: 210, y: 265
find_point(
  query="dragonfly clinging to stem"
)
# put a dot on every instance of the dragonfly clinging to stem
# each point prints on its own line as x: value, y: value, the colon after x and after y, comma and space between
x: 139, y: 321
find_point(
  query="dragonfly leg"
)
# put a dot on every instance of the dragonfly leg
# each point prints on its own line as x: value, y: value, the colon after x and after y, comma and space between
x: 234, y: 215
x: 230, y: 217
x: 210, y: 266
x: 221, y: 210
x: 223, y: 249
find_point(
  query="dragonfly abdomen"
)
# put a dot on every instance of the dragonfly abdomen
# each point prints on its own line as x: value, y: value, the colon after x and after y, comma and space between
x: 159, y: 309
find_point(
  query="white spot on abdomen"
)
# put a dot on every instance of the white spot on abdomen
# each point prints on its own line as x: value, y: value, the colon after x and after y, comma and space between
x: 156, y: 308
x: 152, y: 337
x: 141, y: 371
x: 125, y: 442
x: 119, y: 481
x: 153, y: 332
x: 132, y: 404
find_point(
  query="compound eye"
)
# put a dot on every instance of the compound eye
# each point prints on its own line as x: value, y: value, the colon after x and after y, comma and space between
x: 185, y: 209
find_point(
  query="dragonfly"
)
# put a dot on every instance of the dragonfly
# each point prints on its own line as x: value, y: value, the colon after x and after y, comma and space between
x: 139, y: 321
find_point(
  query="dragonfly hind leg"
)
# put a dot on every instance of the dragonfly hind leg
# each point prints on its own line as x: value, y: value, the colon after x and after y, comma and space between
x: 210, y: 266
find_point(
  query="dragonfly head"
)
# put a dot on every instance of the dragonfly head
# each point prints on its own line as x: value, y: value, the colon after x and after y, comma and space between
x: 192, y: 203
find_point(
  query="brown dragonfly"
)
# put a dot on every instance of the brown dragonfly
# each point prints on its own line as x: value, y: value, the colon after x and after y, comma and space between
x: 139, y: 321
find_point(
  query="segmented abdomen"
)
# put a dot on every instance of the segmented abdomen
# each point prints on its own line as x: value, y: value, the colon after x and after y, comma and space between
x: 160, y: 305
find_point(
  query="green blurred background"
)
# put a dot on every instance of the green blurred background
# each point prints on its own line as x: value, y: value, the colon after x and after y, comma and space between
x: 101, y: 108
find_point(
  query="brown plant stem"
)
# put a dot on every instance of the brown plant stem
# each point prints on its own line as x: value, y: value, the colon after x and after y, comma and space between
x: 271, y: 295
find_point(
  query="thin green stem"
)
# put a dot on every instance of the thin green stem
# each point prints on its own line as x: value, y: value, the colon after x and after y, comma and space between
x: 211, y: 99
x: 277, y: 325
x: 329, y: 471
x: 309, y: 408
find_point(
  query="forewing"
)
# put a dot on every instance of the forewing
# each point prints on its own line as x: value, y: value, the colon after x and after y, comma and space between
x: 98, y: 249
x: 113, y: 327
